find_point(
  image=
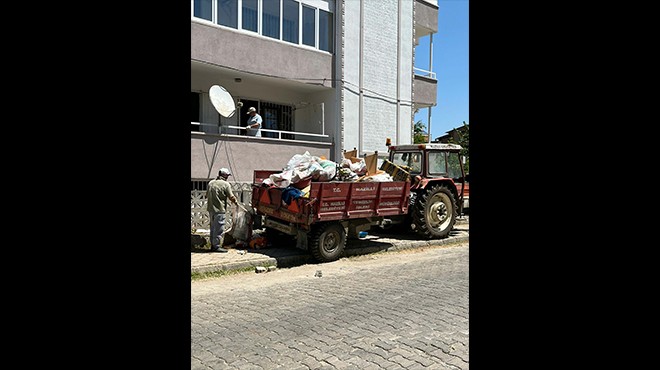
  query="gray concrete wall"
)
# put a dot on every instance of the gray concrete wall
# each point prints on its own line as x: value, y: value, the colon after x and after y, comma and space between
x: 426, y: 15
x: 426, y: 90
x: 258, y: 54
x: 242, y: 156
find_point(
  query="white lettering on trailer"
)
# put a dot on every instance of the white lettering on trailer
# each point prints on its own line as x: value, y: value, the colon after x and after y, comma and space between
x: 389, y: 204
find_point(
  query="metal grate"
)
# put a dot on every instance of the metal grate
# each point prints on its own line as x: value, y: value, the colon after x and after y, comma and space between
x: 278, y: 117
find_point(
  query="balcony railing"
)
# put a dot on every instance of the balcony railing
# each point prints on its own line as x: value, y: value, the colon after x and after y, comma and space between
x: 424, y: 73
x: 279, y: 133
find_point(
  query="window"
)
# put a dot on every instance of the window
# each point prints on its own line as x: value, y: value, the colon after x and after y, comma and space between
x: 411, y: 161
x: 277, y: 117
x: 437, y: 164
x: 271, y: 19
x: 454, y: 166
x: 228, y: 13
x: 270, y: 121
x: 290, y: 21
x: 203, y: 9
x: 325, y: 31
x: 309, y: 26
x: 250, y: 15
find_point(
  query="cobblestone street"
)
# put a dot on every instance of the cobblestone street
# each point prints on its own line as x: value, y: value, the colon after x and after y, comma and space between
x: 396, y: 310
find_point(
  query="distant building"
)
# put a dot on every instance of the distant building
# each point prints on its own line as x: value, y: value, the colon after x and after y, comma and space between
x: 452, y: 134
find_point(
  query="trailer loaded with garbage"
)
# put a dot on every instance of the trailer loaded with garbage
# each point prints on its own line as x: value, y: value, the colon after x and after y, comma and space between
x: 318, y: 204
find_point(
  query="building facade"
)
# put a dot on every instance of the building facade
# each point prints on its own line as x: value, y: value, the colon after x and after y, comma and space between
x: 325, y: 75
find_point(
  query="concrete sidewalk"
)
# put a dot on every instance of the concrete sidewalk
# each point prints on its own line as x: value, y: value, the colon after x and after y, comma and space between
x: 202, y: 260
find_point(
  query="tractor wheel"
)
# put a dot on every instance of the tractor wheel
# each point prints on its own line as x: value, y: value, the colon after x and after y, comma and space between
x: 435, y: 213
x: 327, y: 242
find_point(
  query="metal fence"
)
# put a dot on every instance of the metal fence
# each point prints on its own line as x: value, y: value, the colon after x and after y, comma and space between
x: 199, y: 216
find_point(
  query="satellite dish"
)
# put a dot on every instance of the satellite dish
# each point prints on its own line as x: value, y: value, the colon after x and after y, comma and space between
x: 222, y: 101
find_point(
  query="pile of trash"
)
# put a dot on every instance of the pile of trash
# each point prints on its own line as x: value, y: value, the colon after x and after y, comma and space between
x: 302, y: 169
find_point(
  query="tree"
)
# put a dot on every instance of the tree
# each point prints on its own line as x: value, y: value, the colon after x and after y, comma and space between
x: 420, y: 136
x: 464, y: 142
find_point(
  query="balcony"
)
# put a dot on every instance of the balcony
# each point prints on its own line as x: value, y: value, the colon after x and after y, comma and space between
x: 424, y: 82
x: 239, y: 51
x: 425, y: 90
x: 426, y: 18
x: 213, y: 147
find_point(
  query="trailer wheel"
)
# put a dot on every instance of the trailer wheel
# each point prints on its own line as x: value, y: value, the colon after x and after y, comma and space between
x: 327, y: 242
x: 435, y: 213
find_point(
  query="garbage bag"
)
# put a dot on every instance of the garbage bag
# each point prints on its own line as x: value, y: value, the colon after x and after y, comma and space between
x: 241, y: 228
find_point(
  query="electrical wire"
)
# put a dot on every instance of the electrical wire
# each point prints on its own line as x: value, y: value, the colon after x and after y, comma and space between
x: 215, y: 152
x: 390, y: 98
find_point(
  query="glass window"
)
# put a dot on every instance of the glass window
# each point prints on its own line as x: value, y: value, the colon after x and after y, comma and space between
x: 270, y: 121
x: 454, y: 166
x: 249, y: 15
x: 228, y: 13
x: 271, y: 19
x: 203, y: 9
x: 290, y: 21
x: 309, y: 26
x: 325, y: 30
x: 410, y: 161
x: 437, y: 163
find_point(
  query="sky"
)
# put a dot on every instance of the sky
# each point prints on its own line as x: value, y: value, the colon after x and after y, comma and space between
x: 451, y: 66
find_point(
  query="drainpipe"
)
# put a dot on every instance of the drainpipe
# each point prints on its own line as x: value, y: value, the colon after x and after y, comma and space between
x: 429, y: 108
x: 431, y: 71
x: 361, y: 100
x: 398, y: 73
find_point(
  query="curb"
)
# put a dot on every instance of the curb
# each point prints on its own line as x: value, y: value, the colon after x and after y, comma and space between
x: 305, y: 258
x: 405, y: 245
x: 233, y: 266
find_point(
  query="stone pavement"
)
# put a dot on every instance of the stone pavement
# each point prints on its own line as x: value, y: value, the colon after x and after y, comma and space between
x: 202, y: 260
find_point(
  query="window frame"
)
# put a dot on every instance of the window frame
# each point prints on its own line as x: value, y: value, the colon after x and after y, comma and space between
x: 316, y: 5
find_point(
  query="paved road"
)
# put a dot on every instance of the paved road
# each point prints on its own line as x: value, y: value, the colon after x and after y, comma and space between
x: 398, y: 310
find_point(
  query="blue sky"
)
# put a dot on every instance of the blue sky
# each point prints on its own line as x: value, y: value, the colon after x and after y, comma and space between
x: 451, y: 66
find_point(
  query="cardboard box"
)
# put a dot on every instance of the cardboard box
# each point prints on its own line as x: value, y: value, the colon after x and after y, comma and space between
x: 397, y: 172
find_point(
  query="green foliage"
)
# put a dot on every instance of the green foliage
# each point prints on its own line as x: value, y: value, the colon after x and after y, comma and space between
x: 464, y: 141
x: 419, y: 136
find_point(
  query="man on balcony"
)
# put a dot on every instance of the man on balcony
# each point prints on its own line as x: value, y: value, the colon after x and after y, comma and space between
x: 254, y: 123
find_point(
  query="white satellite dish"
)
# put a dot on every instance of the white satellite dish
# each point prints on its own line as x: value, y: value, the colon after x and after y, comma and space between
x: 222, y: 101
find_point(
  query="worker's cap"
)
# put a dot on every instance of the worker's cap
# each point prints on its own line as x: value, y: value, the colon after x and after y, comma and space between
x: 224, y: 172
x: 252, y: 109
